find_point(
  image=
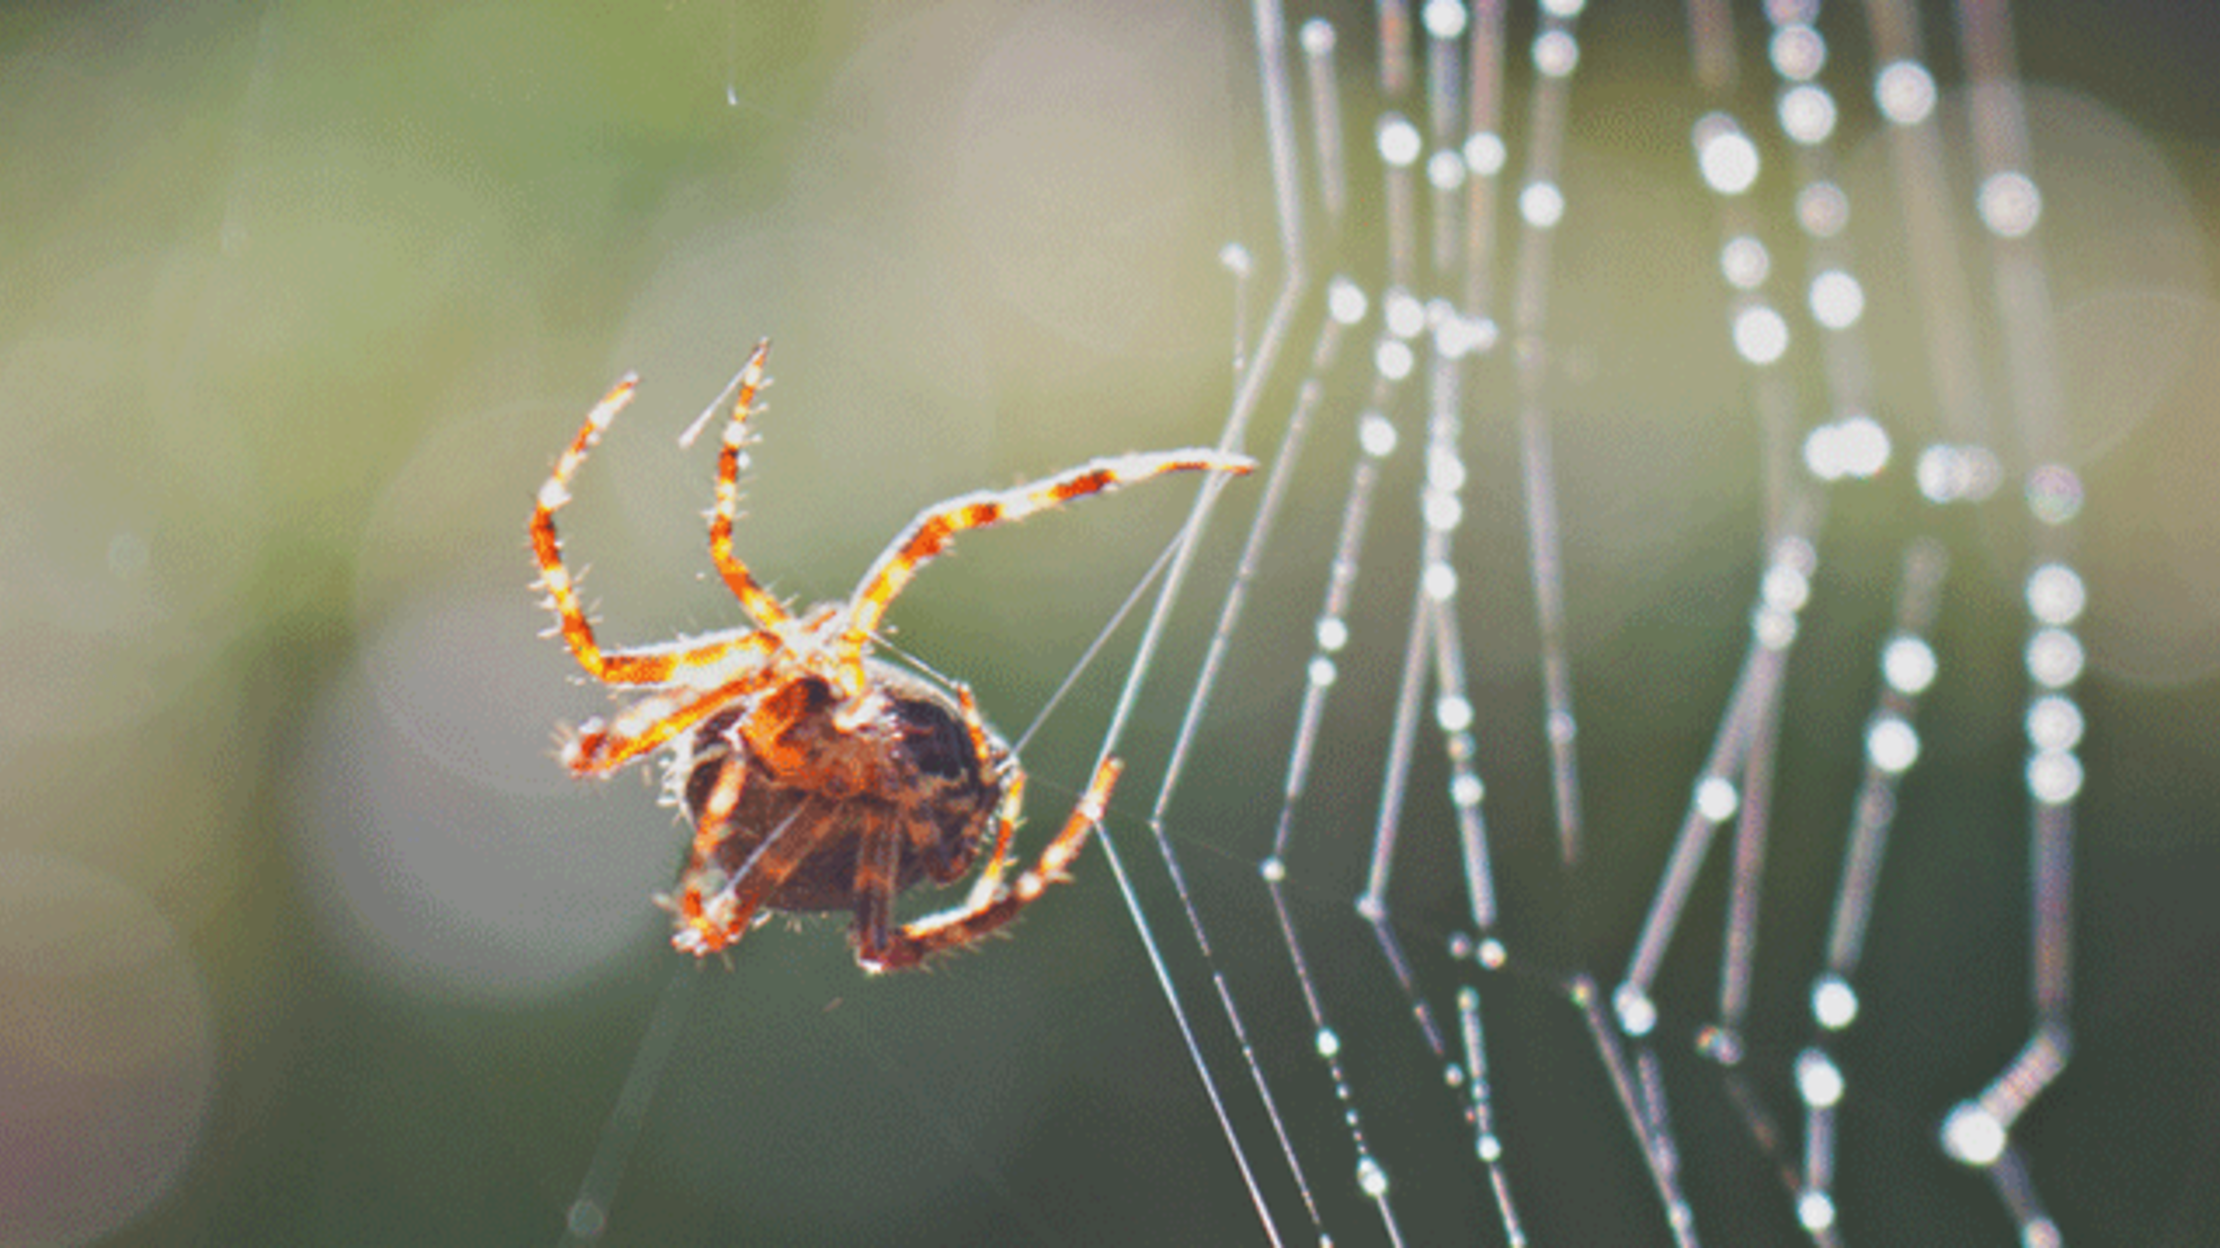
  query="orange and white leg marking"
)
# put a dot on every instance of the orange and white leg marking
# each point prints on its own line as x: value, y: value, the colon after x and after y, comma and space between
x: 931, y: 531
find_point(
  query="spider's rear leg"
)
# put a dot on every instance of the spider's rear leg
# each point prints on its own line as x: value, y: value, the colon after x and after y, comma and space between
x: 758, y: 602
x: 878, y: 861
x: 989, y: 883
x: 708, y: 924
x: 992, y: 759
x: 878, y: 881
x: 911, y: 943
x: 930, y: 532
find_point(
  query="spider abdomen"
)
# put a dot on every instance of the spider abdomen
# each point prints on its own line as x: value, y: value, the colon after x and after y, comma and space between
x: 910, y: 766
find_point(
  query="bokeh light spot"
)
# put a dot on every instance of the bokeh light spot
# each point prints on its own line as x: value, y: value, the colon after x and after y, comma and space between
x: 107, y: 1052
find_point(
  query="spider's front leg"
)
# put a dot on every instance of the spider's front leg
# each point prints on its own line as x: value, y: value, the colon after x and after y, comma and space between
x: 911, y: 943
x: 647, y: 665
x: 931, y: 531
x: 758, y: 602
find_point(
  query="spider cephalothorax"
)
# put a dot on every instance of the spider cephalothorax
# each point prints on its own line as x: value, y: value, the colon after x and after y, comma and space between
x: 815, y: 776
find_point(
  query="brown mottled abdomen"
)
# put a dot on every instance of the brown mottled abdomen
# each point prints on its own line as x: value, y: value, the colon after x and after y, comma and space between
x: 919, y: 772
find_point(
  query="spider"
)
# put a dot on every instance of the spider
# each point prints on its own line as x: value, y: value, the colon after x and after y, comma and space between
x: 815, y: 776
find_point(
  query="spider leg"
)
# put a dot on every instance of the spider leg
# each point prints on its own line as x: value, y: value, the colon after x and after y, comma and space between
x: 930, y: 532
x: 912, y: 943
x: 645, y: 726
x: 878, y: 863
x: 709, y: 924
x: 661, y: 664
x: 617, y: 668
x: 715, y: 820
x: 754, y: 599
x: 990, y: 761
x: 989, y: 884
x: 878, y: 872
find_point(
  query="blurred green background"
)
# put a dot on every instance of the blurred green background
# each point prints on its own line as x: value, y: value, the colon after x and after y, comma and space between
x: 305, y: 938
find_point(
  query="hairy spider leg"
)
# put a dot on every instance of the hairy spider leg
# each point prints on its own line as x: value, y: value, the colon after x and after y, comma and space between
x: 989, y: 883
x: 879, y: 861
x: 912, y: 943
x: 715, y: 821
x: 1013, y: 793
x: 710, y: 829
x: 713, y: 923
x: 764, y: 609
x: 645, y: 665
x: 646, y: 725
x: 930, y: 532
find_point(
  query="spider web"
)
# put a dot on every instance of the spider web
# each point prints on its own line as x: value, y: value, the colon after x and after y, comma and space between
x: 1840, y: 1056
x: 1614, y: 774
